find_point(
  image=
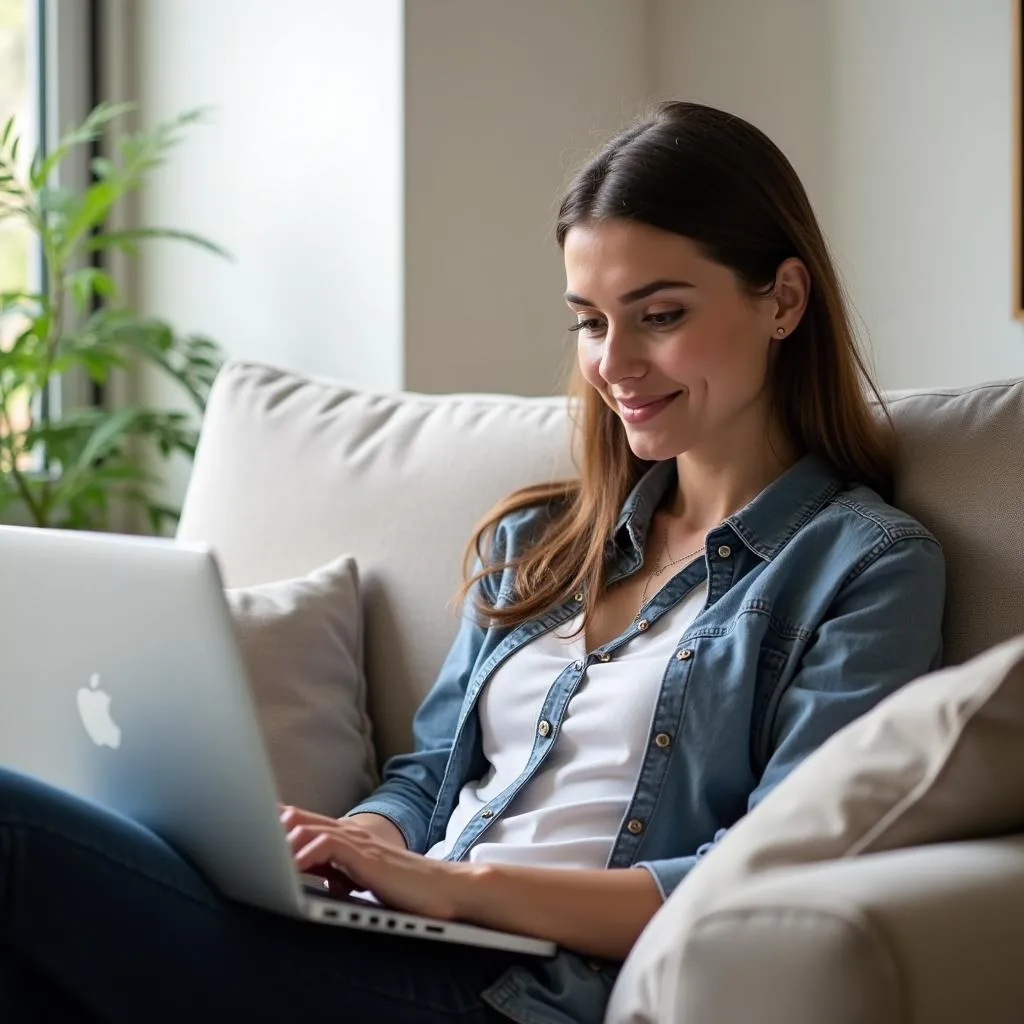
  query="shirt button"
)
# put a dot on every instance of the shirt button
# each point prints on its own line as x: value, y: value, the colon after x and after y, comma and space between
x: 578, y: 596
x: 487, y: 814
x: 544, y: 727
x: 605, y: 656
x: 635, y: 825
x: 685, y: 654
x: 663, y: 740
x: 724, y: 551
x: 642, y: 625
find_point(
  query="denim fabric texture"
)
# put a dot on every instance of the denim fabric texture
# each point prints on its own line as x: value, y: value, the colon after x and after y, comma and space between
x: 102, y: 921
x: 822, y: 600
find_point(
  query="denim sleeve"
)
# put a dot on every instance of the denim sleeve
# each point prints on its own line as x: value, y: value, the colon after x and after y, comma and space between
x: 411, y: 782
x: 883, y: 630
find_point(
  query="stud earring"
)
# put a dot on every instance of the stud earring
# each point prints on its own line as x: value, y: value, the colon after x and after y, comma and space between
x: 780, y: 331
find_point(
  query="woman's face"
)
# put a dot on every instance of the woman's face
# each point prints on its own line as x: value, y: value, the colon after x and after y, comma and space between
x: 668, y: 338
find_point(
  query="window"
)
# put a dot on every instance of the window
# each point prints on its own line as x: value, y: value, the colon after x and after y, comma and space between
x: 47, y: 65
x: 19, y: 96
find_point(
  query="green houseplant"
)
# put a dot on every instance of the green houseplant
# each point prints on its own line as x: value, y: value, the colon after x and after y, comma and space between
x: 69, y: 468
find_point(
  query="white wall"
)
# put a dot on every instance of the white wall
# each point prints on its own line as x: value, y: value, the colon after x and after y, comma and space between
x: 898, y: 116
x: 921, y: 204
x: 298, y: 174
x: 503, y: 101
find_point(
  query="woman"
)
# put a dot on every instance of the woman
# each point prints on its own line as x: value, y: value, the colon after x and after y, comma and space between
x: 647, y: 649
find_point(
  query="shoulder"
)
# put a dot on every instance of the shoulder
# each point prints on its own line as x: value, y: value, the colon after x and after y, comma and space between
x: 507, y: 540
x: 861, y: 529
x: 860, y: 508
x: 516, y: 531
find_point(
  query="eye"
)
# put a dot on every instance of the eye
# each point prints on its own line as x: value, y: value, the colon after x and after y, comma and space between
x: 666, y: 318
x: 589, y: 326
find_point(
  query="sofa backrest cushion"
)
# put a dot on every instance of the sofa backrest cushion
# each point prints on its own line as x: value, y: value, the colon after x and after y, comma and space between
x: 292, y: 472
x: 961, y: 473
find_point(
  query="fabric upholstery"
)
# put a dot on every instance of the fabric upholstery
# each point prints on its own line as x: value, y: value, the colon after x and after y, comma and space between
x: 302, y: 644
x: 290, y: 471
x: 961, y: 473
x: 928, y: 935
x: 940, y: 760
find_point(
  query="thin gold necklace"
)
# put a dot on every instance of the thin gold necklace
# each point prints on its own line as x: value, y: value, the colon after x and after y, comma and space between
x: 657, y: 572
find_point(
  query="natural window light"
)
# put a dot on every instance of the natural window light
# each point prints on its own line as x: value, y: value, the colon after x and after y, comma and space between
x: 18, y: 97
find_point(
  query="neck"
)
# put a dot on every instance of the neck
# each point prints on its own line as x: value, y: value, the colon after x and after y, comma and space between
x: 712, y: 485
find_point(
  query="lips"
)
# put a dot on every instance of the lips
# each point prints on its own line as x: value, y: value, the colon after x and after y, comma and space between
x: 641, y: 402
x: 640, y: 409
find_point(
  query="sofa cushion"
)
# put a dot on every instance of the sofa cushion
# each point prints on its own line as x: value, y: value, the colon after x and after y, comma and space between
x: 292, y: 470
x: 302, y: 644
x: 942, y: 759
x: 960, y: 472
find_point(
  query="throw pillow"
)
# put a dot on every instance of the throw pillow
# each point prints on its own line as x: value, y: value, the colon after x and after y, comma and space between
x: 940, y: 760
x: 301, y: 640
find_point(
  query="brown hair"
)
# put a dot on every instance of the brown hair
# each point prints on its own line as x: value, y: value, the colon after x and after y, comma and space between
x: 719, y: 181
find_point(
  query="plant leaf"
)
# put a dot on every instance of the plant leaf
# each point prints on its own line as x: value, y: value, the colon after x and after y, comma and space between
x: 104, y: 438
x: 103, y: 168
x: 126, y: 240
x: 84, y: 283
x: 161, y: 514
x: 100, y: 116
x: 91, y: 211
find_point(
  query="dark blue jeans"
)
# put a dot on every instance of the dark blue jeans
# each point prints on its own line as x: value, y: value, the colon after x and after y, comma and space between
x: 100, y: 920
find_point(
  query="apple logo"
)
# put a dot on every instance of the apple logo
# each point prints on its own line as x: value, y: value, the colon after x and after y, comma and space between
x: 94, y: 709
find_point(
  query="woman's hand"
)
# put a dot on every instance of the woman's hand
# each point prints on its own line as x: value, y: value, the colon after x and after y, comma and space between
x: 346, y: 852
x: 383, y: 828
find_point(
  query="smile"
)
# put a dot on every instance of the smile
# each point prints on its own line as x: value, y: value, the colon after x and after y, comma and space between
x: 639, y: 410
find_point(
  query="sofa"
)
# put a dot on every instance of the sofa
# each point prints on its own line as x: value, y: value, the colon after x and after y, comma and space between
x: 292, y: 471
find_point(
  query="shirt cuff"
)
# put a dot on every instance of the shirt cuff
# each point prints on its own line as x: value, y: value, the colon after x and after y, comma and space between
x: 669, y: 873
x: 405, y: 821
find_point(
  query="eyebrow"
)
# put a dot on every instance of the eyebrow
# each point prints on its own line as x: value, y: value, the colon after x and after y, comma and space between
x: 635, y: 295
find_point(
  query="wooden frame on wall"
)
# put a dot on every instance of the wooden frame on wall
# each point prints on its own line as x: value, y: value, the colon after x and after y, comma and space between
x: 1018, y: 158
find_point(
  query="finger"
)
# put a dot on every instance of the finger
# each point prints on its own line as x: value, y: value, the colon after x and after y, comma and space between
x: 302, y: 835
x: 291, y: 816
x: 331, y: 851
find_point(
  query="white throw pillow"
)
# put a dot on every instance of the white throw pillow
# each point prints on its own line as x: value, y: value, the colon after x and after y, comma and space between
x: 302, y: 644
x: 940, y: 760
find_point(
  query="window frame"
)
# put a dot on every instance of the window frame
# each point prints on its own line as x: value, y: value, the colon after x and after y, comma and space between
x: 66, y: 65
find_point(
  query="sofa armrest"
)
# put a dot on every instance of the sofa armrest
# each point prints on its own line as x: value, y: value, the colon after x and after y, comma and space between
x: 931, y: 935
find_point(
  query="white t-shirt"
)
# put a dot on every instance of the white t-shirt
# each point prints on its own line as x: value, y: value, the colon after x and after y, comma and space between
x: 570, y: 812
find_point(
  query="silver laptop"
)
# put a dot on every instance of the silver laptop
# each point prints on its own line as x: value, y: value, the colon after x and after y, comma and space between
x: 121, y: 681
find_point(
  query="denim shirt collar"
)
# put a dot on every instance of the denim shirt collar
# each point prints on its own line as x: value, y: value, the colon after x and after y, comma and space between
x: 765, y: 524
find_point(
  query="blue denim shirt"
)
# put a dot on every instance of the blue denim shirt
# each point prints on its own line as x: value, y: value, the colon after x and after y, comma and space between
x: 822, y: 600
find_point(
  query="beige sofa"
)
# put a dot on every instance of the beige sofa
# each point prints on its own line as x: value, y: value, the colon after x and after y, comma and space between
x: 293, y: 471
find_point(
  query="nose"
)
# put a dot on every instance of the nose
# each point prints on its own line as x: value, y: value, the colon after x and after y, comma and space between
x: 621, y: 356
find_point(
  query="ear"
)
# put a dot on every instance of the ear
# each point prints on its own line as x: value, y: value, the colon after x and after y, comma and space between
x: 790, y: 294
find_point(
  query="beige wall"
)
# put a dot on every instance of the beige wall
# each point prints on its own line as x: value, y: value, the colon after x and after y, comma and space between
x: 503, y: 101
x: 898, y: 115
x: 764, y: 61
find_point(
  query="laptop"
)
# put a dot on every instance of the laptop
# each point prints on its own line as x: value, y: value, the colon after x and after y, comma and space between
x: 121, y: 681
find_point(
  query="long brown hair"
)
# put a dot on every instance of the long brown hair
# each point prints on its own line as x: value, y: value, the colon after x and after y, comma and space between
x: 722, y: 183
